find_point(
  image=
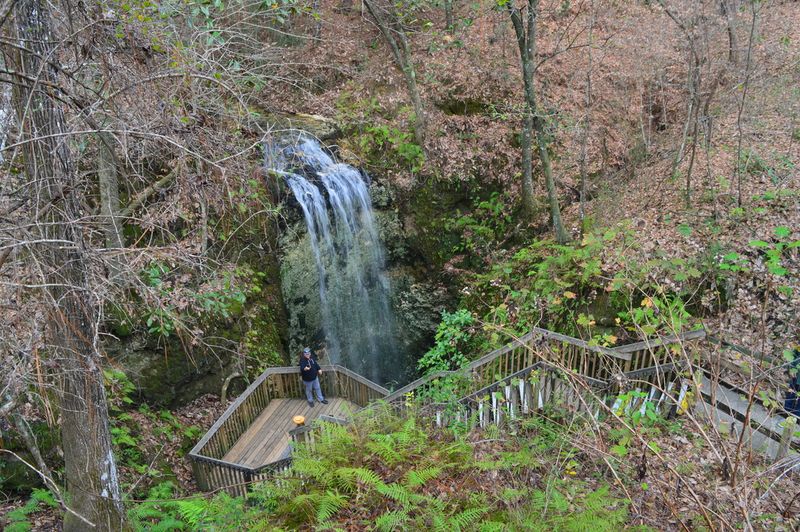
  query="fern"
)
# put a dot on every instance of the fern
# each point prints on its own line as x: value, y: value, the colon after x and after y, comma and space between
x: 492, y: 526
x: 394, y: 520
x: 397, y: 492
x: 328, y: 505
x: 168, y: 524
x: 467, y: 518
x: 415, y: 479
x: 366, y: 476
x: 303, y: 504
x: 596, y: 511
x: 41, y: 496
x: 192, y: 511
x: 313, y: 468
x: 316, y: 506
x: 385, y: 446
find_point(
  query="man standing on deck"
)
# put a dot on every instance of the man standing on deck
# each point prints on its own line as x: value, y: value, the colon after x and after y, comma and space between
x: 310, y: 371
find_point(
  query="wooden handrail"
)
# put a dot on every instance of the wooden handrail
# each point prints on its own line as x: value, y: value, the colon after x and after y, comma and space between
x: 523, y: 373
x: 656, y: 342
x: 356, y: 377
x: 523, y: 341
x: 223, y: 463
x: 772, y: 359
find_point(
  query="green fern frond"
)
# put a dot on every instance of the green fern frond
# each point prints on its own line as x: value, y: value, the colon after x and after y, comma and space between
x: 170, y: 524
x: 303, y: 505
x: 438, y: 521
x: 313, y: 468
x: 349, y: 475
x: 394, y: 520
x: 386, y: 447
x: 467, y: 518
x: 44, y: 496
x: 397, y: 492
x: 415, y: 479
x: 192, y: 510
x: 493, y: 526
x: 329, y: 504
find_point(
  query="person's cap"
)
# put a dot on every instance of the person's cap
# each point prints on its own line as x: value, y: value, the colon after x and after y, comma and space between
x: 306, y: 350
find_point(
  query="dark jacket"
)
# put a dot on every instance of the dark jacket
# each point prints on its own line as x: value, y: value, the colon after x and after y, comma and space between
x: 313, y: 369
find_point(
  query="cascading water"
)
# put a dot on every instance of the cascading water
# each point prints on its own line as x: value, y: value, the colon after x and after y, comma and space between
x: 354, y: 292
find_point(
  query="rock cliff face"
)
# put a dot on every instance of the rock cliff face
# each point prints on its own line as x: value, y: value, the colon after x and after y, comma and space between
x: 172, y: 370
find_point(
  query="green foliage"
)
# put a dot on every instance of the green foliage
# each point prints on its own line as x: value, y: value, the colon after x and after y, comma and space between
x: 392, y: 520
x: 382, y: 144
x: 483, y: 227
x: 119, y: 389
x: 658, y: 313
x: 176, y: 304
x: 752, y: 163
x: 382, y: 462
x: 163, y: 511
x: 636, y: 408
x: 566, y: 288
x: 17, y: 519
x: 570, y: 507
x: 774, y: 252
x: 453, y: 338
x: 383, y: 139
x: 391, y: 471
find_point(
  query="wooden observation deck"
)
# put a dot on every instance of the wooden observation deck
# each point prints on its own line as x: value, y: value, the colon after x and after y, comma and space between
x: 251, y: 440
x: 267, y: 440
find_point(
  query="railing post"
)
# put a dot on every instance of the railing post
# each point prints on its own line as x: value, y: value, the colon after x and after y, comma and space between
x: 786, y: 437
x: 248, y: 479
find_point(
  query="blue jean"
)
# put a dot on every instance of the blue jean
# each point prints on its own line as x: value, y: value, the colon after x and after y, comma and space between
x: 313, y: 385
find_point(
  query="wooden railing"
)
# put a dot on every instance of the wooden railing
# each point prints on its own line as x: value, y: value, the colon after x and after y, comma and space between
x: 530, y: 389
x: 572, y: 354
x: 647, y: 362
x: 211, y: 471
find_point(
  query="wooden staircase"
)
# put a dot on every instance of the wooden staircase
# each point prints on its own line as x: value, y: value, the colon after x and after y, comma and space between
x: 519, y: 379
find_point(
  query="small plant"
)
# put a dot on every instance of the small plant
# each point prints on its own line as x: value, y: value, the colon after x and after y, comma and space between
x: 382, y: 137
x: 119, y: 388
x: 774, y: 251
x: 482, y: 227
x: 452, y: 339
x: 17, y: 520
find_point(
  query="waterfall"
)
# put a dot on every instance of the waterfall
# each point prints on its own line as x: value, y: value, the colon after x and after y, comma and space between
x: 354, y: 292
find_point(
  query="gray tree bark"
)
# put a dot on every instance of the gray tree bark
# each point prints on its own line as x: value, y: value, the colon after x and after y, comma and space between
x: 109, y: 201
x: 733, y: 42
x: 532, y: 122
x: 91, y: 475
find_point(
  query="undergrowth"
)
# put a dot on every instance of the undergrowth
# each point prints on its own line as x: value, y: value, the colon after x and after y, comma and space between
x: 390, y: 472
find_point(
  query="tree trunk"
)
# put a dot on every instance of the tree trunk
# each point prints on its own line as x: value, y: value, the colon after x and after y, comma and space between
x: 587, y: 122
x: 401, y: 52
x: 448, y: 16
x: 532, y: 123
x: 91, y: 476
x: 552, y: 193
x: 745, y: 85
x: 733, y: 43
x: 109, y: 201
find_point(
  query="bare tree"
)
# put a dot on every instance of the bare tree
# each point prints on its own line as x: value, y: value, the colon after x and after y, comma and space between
x: 745, y: 84
x: 532, y: 121
x: 61, y: 256
x: 390, y: 22
x: 587, y: 121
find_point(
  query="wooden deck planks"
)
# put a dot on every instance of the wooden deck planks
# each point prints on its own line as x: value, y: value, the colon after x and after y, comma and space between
x: 267, y: 439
